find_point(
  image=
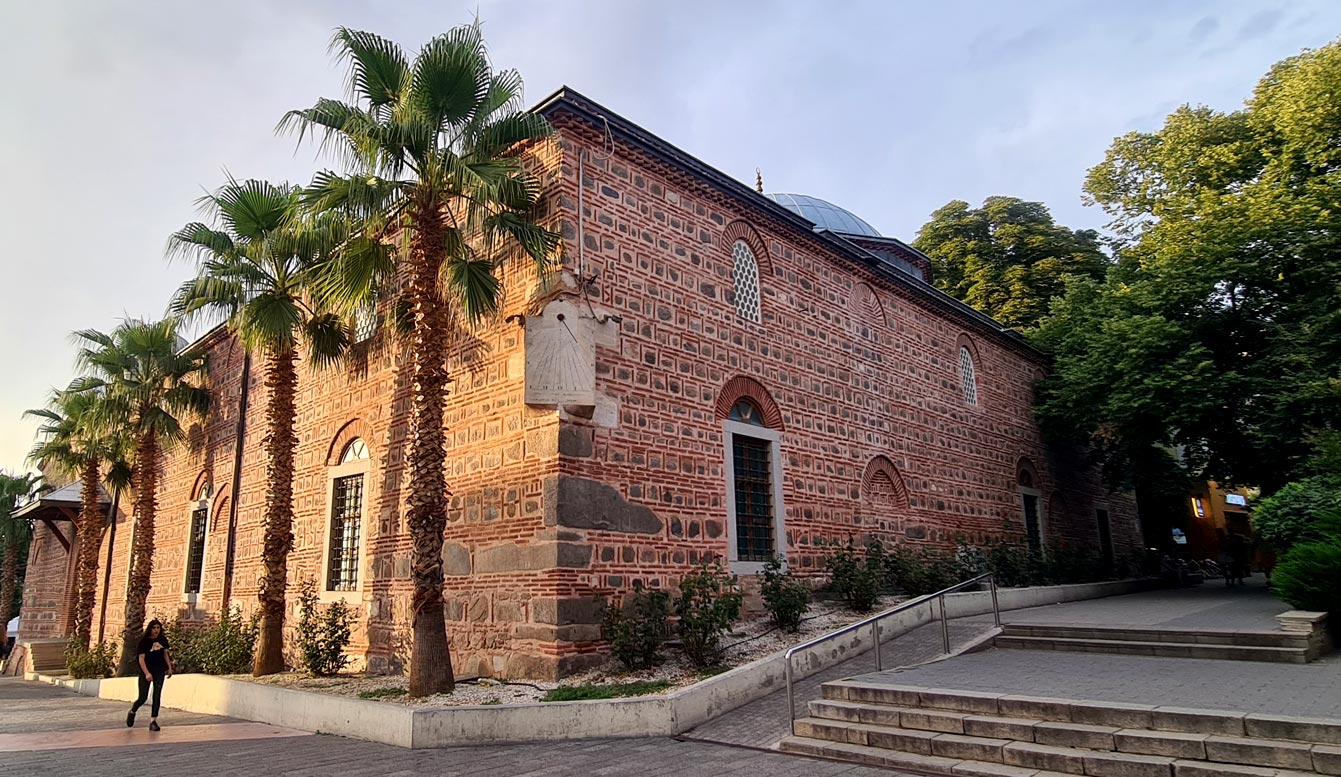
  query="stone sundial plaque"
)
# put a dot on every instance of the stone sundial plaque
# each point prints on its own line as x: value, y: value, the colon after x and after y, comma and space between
x: 560, y: 357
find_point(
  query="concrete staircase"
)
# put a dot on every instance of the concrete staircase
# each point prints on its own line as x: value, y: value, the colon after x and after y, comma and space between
x: 1275, y: 646
x: 44, y: 655
x: 997, y: 735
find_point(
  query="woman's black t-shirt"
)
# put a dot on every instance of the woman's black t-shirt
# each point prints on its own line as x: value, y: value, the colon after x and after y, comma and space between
x: 155, y: 652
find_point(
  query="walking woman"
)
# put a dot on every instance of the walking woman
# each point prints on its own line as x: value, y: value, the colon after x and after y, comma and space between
x: 155, y: 667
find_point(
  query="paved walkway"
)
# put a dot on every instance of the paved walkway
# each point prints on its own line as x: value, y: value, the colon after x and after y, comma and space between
x: 1278, y: 688
x: 1207, y: 606
x: 70, y: 718
x: 1304, y: 690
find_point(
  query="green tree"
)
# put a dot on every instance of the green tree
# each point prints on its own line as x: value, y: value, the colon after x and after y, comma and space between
x: 1218, y: 332
x: 150, y: 384
x: 1007, y: 258
x: 15, y: 534
x: 257, y: 268
x: 433, y: 151
x: 71, y: 444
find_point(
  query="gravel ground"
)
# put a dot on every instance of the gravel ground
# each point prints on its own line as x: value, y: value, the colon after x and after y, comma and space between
x: 751, y: 640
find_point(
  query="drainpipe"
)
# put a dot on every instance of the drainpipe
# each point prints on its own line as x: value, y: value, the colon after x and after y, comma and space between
x: 107, y: 570
x: 240, y: 436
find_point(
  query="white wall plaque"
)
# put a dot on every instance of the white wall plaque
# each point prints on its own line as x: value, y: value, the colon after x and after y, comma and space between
x: 560, y: 357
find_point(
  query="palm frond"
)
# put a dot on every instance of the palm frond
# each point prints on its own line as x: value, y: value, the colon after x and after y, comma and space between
x: 471, y: 283
x: 378, y: 70
x: 451, y: 77
x: 327, y: 337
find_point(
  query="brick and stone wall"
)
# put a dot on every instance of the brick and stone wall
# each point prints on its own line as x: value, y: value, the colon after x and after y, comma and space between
x: 556, y: 506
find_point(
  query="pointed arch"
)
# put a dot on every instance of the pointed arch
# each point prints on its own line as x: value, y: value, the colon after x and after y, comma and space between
x: 1026, y: 476
x: 865, y: 302
x: 882, y: 484
x: 198, y: 489
x: 745, y: 387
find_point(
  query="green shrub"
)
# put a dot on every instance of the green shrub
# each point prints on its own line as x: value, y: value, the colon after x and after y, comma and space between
x: 224, y: 647
x: 922, y: 570
x: 610, y: 691
x: 709, y: 603
x: 785, y: 597
x: 1302, y: 511
x: 637, y: 629
x: 322, y: 635
x: 858, y: 581
x: 1309, y: 576
x: 94, y: 662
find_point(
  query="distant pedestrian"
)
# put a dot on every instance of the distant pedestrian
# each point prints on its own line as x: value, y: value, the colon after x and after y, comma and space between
x: 155, y: 667
x: 1240, y: 554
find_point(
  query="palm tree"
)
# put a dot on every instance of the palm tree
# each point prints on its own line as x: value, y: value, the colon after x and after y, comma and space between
x: 433, y: 150
x: 149, y: 386
x: 71, y: 444
x: 256, y: 271
x: 14, y: 536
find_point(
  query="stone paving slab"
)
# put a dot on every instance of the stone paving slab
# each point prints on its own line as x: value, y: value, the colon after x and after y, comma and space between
x: 27, y: 707
x: 30, y: 704
x: 141, y: 735
x: 1302, y: 690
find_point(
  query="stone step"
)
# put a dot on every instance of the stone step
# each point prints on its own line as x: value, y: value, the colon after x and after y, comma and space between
x: 1064, y: 747
x: 1180, y: 636
x: 994, y: 714
x: 1283, y: 655
x: 46, y: 657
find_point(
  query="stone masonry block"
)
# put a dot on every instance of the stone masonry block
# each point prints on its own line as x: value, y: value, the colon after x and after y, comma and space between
x: 1037, y: 707
x: 1015, y: 729
x: 961, y: 701
x: 1327, y: 759
x: 1112, y: 714
x: 1075, y: 735
x: 1174, y: 744
x: 580, y: 503
x: 1197, y: 721
x: 1127, y: 765
x: 1319, y: 730
x: 1258, y: 752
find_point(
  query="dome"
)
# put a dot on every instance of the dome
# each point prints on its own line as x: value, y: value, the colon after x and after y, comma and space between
x: 824, y: 214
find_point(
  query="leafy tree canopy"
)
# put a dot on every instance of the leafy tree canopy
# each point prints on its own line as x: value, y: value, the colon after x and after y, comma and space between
x: 1007, y: 258
x: 1219, y: 329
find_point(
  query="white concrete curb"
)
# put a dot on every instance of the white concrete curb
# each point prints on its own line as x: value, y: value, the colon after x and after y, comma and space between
x: 661, y: 715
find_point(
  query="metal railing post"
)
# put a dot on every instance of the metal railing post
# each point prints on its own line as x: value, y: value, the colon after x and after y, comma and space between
x: 874, y: 622
x: 945, y: 625
x: 996, y: 608
x: 875, y: 635
x: 791, y: 697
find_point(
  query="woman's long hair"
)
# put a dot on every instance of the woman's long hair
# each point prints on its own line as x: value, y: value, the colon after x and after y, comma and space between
x: 148, y: 630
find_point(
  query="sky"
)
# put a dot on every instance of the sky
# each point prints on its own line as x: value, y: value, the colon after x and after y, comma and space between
x: 122, y: 113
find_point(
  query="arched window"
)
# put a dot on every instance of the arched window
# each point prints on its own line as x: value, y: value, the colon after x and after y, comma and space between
x: 968, y: 376
x: 745, y: 275
x: 344, y: 551
x: 746, y: 412
x: 356, y: 450
x: 756, y: 533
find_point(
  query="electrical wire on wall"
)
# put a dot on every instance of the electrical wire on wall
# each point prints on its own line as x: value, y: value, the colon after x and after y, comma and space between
x: 607, y: 152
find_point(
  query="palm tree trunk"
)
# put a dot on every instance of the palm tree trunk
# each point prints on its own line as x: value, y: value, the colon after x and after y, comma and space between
x: 141, y: 550
x: 9, y: 574
x: 89, y: 535
x: 431, y: 659
x: 280, y: 441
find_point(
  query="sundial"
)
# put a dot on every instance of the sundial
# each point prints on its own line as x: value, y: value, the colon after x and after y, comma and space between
x: 560, y: 357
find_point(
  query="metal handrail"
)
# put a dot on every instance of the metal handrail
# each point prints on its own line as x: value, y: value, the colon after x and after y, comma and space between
x: 874, y: 623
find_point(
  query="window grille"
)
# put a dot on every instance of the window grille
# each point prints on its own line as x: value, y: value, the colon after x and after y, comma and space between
x: 346, y: 516
x: 968, y: 377
x: 753, y: 460
x: 195, y: 553
x: 745, y: 275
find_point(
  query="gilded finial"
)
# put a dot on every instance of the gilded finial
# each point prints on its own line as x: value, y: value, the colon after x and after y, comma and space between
x: 758, y: 180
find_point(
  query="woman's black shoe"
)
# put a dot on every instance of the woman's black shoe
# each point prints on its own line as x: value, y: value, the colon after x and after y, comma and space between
x: 130, y: 718
x: 153, y: 725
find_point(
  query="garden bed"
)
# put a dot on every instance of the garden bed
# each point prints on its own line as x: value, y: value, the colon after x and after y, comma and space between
x: 751, y: 639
